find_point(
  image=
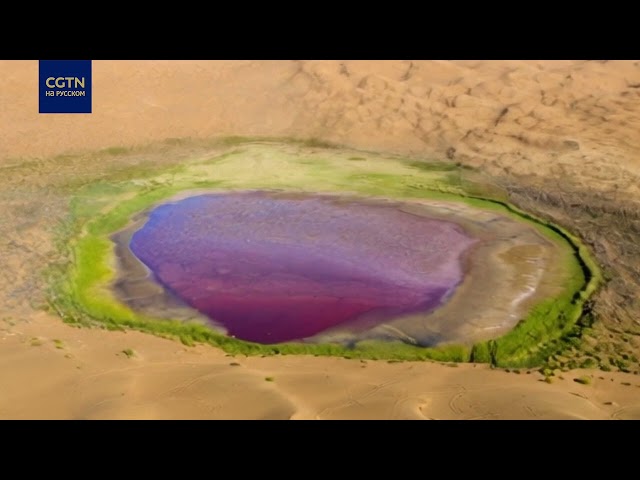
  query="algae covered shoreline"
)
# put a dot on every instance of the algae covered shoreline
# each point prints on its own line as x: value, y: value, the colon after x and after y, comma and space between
x: 81, y: 294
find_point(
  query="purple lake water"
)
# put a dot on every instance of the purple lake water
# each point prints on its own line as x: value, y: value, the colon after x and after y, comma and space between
x: 271, y: 268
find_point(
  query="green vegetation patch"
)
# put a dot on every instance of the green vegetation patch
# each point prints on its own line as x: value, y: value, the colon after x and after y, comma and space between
x: 80, y: 288
x: 583, y: 380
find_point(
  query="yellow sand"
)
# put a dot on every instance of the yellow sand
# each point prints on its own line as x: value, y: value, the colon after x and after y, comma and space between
x: 440, y: 106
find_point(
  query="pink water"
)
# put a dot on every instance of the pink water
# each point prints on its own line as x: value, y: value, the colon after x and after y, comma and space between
x: 271, y: 269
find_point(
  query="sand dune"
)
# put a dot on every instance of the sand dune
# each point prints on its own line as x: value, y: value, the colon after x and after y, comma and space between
x: 568, y: 126
x: 89, y: 377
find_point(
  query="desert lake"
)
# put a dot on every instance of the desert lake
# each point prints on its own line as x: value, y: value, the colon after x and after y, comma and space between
x: 271, y: 268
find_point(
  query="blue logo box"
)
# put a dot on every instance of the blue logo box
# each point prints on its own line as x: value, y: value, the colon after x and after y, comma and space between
x: 65, y: 86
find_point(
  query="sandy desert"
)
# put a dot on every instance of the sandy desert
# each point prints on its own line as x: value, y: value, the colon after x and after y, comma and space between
x: 561, y: 137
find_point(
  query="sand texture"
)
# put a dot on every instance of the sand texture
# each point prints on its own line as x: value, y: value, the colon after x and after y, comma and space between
x: 560, y: 136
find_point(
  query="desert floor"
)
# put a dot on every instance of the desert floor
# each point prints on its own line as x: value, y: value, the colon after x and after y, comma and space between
x: 560, y: 136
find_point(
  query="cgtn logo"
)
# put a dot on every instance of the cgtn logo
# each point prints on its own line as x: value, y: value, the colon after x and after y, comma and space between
x: 59, y: 82
x: 65, y: 86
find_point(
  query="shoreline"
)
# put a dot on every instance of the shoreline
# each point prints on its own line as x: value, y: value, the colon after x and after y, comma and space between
x: 452, y: 350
